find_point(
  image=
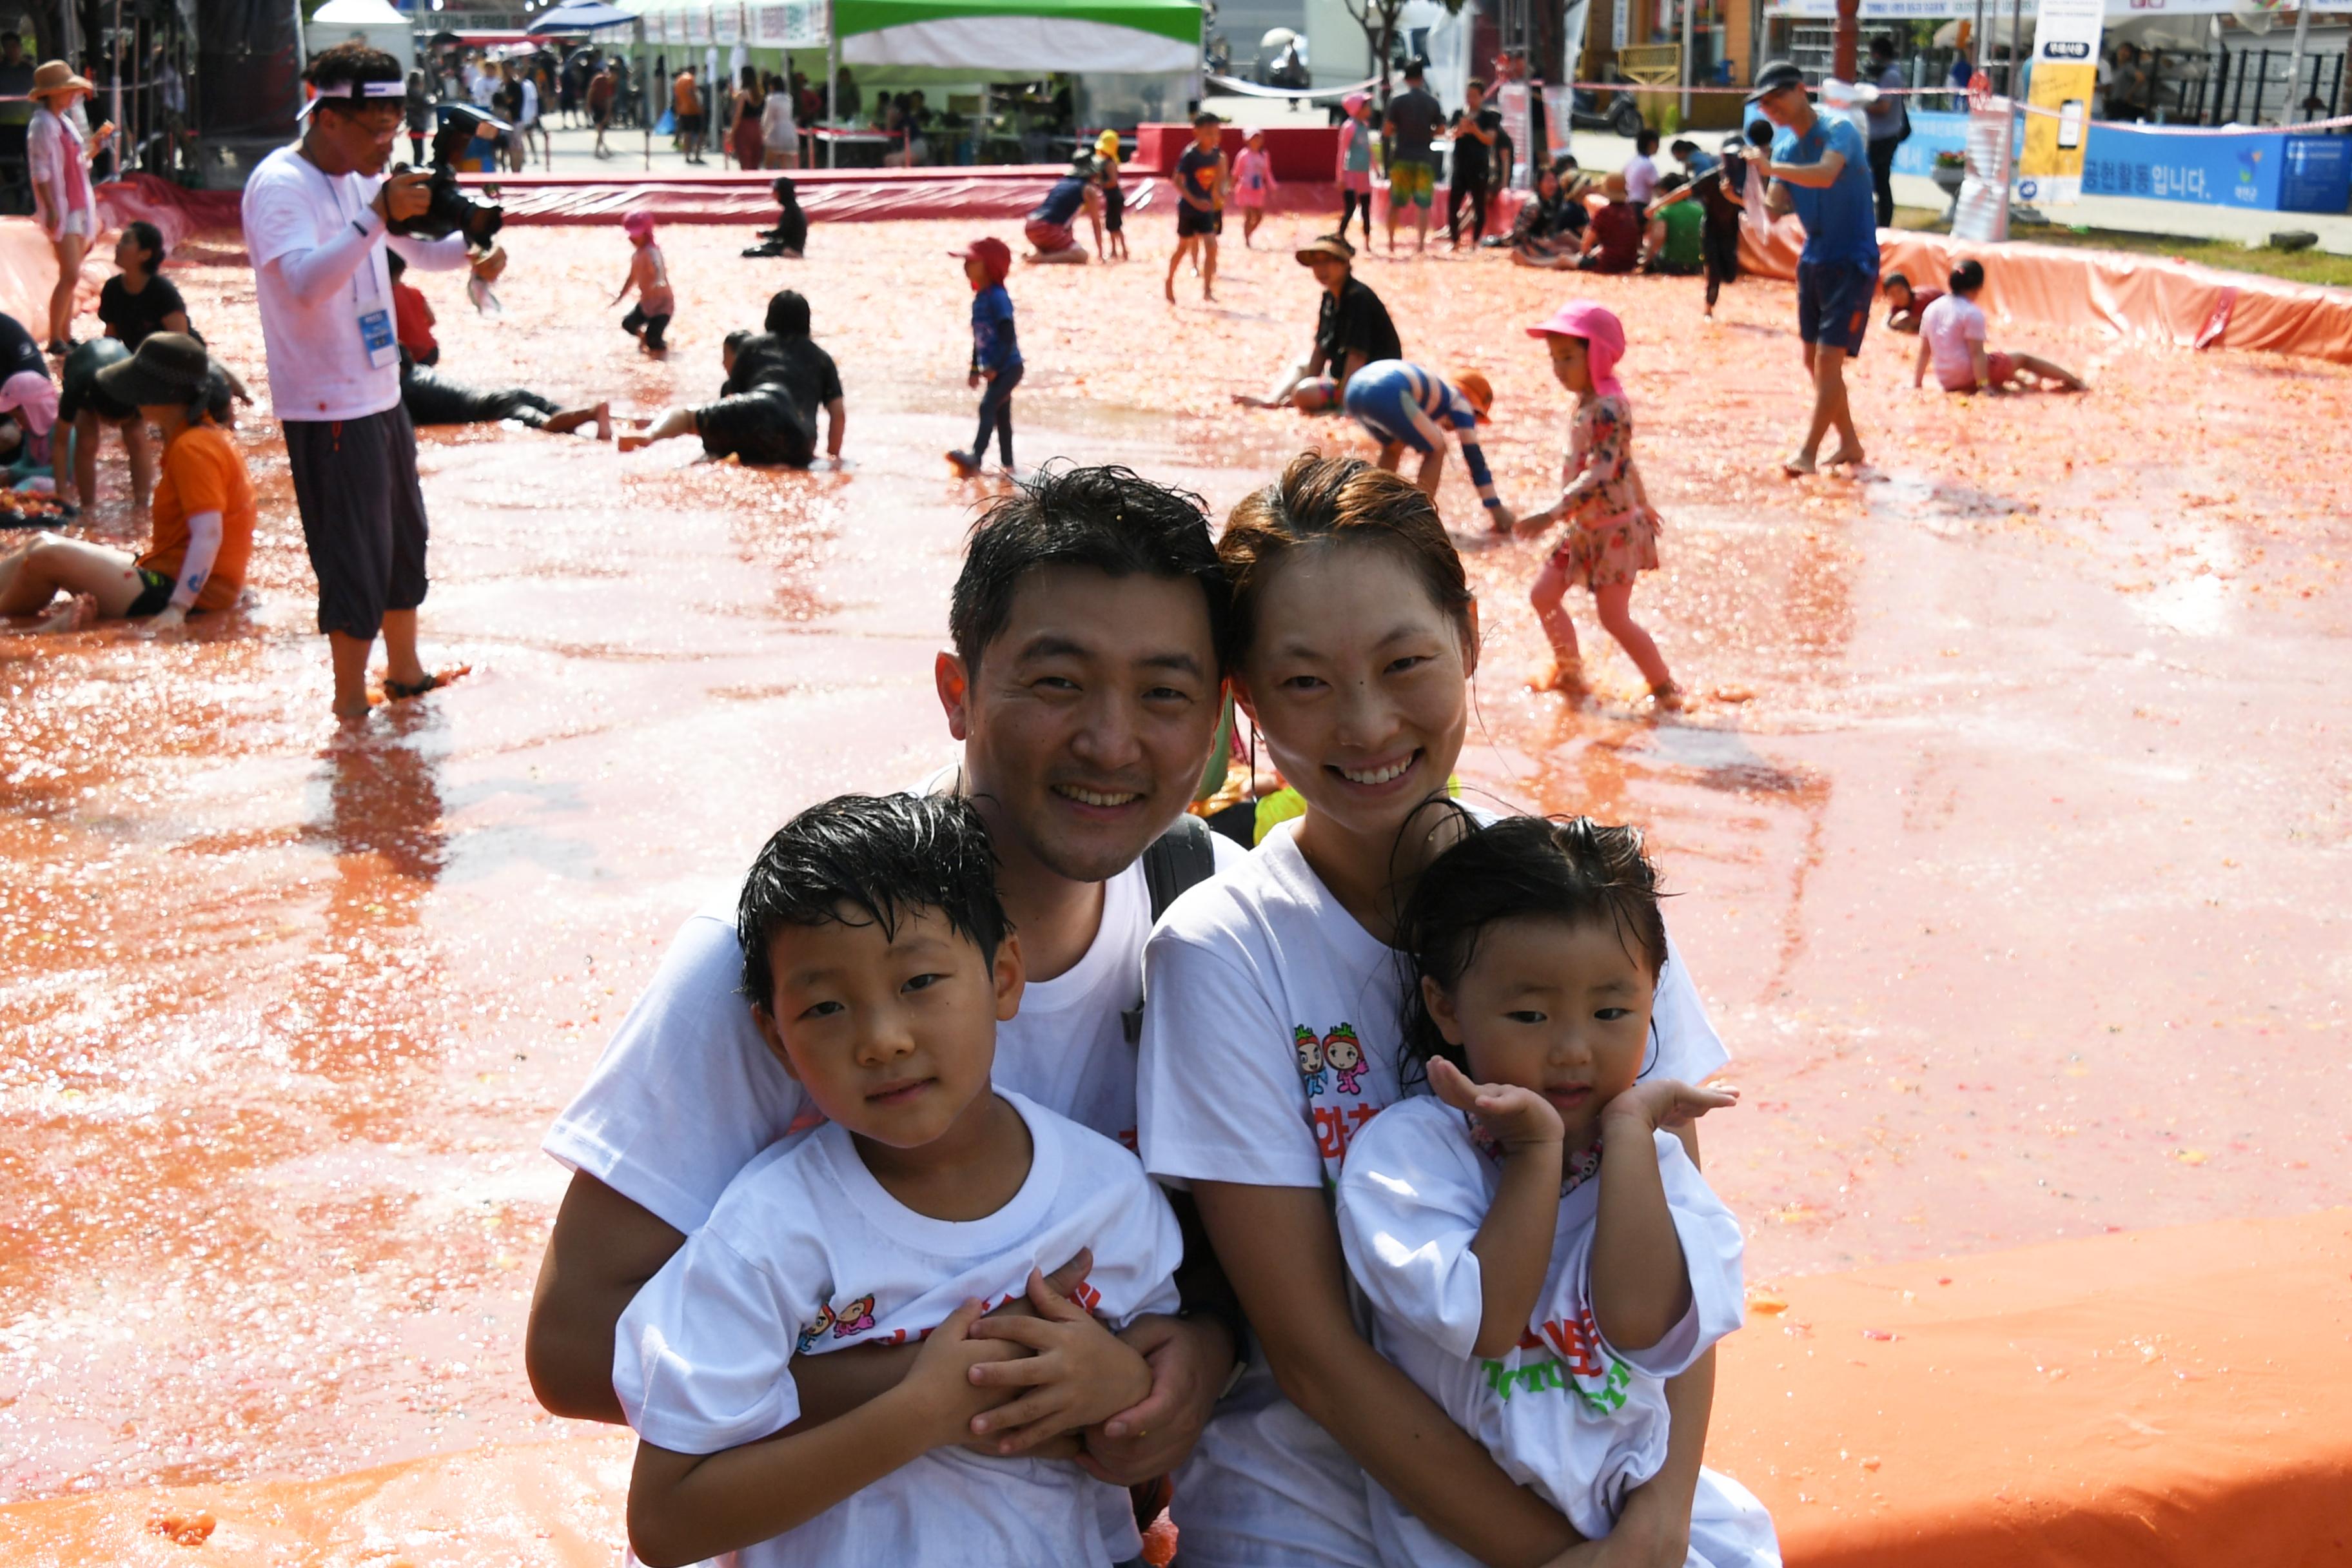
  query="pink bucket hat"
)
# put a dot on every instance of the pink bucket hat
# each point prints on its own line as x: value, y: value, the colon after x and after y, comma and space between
x: 1603, y: 335
x: 1353, y: 101
x: 638, y: 223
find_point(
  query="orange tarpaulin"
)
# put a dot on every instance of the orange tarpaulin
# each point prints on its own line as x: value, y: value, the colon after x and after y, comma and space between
x: 2133, y: 296
x: 2161, y: 1397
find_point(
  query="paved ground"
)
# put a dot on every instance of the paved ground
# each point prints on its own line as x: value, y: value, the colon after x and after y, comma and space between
x: 573, y: 151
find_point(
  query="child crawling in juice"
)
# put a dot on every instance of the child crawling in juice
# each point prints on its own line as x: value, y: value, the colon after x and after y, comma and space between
x: 879, y: 964
x: 1539, y: 1253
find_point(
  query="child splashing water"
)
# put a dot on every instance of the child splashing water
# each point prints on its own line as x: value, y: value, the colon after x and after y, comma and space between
x: 995, y: 352
x: 1612, y: 534
x: 649, y: 276
x: 1539, y: 1250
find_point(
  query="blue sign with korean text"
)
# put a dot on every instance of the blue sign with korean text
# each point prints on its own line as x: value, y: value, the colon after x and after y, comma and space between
x: 2218, y: 171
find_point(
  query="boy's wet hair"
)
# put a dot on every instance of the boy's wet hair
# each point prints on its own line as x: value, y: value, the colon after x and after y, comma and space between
x: 885, y: 857
x: 1646, y: 143
x: 1892, y: 279
x: 1571, y: 870
x: 733, y: 342
x: 1967, y: 276
x: 1110, y: 519
x: 1339, y: 501
x: 1672, y: 184
x: 1760, y: 133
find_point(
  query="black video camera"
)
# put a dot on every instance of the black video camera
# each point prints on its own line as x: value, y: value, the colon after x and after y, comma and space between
x: 448, y: 208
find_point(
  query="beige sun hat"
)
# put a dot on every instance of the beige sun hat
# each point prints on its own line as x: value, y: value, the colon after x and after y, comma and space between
x: 56, y: 76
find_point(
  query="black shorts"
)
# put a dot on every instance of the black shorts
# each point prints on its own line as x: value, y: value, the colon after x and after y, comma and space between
x: 1833, y: 301
x: 689, y: 124
x: 362, y: 516
x: 1192, y: 220
x: 761, y: 426
x: 154, y: 595
x: 1114, y: 209
x: 78, y: 388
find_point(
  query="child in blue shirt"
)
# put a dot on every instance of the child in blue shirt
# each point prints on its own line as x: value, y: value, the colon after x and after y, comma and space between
x: 995, y: 351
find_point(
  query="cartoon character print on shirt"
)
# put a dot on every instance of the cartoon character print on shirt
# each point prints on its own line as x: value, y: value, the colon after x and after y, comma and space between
x: 1309, y: 1046
x: 855, y: 1318
x: 1344, y: 1054
x: 1329, y: 1066
x: 814, y: 1331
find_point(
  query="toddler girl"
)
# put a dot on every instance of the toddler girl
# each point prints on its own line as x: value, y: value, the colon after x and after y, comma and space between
x: 1538, y: 1251
x: 1355, y: 172
x: 1612, y: 532
x: 649, y: 317
x: 1253, y: 181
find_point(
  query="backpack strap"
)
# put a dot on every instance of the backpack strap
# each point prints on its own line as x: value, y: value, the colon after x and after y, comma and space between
x: 1178, y: 860
x: 1182, y: 857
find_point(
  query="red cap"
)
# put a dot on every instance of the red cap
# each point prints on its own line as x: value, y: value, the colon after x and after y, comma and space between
x: 995, y: 257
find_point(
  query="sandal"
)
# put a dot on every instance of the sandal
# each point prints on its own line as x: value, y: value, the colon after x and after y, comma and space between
x: 401, y: 691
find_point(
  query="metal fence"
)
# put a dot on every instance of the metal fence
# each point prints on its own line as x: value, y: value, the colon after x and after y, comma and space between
x: 2244, y: 86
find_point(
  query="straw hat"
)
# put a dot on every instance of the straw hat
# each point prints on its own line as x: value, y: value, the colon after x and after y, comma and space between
x: 56, y: 76
x: 1328, y: 245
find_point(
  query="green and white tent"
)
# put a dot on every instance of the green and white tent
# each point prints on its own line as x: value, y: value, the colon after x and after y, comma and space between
x: 1028, y: 36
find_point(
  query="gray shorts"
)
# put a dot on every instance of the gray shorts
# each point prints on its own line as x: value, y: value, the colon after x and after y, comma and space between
x: 362, y: 516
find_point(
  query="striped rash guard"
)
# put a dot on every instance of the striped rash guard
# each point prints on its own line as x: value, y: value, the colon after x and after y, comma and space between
x: 1400, y: 401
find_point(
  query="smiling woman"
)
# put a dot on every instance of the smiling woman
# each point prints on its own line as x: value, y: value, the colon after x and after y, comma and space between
x: 1273, y: 1037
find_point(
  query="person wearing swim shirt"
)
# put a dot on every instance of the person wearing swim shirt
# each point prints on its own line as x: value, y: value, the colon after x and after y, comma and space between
x: 1405, y: 405
x: 1048, y: 230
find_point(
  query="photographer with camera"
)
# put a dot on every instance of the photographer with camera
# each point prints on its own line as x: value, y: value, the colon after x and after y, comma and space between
x: 318, y: 216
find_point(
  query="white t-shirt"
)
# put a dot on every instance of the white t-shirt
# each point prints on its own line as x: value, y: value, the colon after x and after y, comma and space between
x: 530, y: 103
x: 807, y: 1254
x: 1948, y: 326
x: 1580, y: 1421
x: 1641, y: 179
x: 1271, y: 1038
x: 687, y: 1093
x: 318, y: 367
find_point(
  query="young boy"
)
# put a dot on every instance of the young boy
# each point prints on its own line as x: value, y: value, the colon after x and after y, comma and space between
x: 1952, y: 335
x: 995, y: 351
x: 1201, y: 181
x: 879, y: 964
x: 412, y: 314
x: 1905, y: 304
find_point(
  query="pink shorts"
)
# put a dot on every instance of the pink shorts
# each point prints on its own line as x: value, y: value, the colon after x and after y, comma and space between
x: 1254, y: 201
x: 1356, y: 180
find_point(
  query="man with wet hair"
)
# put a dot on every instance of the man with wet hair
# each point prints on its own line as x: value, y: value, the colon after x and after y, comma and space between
x: 318, y: 219
x: 1088, y: 625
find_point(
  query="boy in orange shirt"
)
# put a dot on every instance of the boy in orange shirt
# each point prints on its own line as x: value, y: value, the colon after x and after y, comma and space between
x: 202, y: 508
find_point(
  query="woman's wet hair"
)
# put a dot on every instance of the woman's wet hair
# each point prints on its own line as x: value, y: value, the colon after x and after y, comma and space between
x: 147, y: 238
x: 1967, y: 276
x: 1110, y: 519
x: 1339, y: 501
x: 881, y: 858
x: 788, y: 314
x: 1569, y: 870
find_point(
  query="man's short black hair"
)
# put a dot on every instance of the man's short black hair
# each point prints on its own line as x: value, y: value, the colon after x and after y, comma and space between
x: 1414, y: 70
x: 1110, y: 519
x: 352, y: 62
x: 1882, y: 48
x: 788, y: 314
x: 884, y: 856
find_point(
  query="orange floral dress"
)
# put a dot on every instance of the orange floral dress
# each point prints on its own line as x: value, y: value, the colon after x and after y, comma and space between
x: 1610, y: 537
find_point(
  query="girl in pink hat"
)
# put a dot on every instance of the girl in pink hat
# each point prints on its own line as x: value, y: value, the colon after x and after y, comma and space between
x: 1253, y: 182
x: 1612, y: 535
x: 1355, y: 171
x: 649, y: 319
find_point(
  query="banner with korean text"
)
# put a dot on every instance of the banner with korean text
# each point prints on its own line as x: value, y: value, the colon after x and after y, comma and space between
x: 2064, y: 79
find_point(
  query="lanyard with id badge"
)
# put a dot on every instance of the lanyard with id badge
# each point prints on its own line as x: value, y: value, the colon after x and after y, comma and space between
x: 372, y: 310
